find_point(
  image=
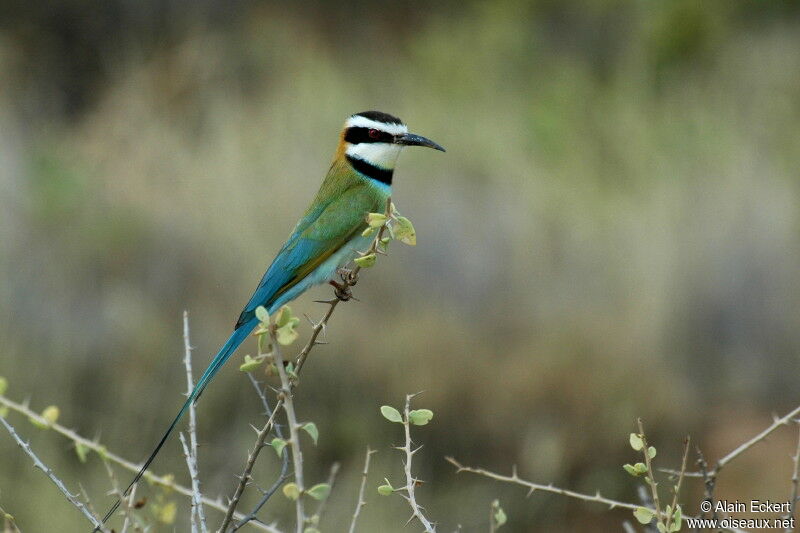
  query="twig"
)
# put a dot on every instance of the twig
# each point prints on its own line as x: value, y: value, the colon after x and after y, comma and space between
x: 9, y: 525
x: 198, y: 517
x: 50, y: 474
x: 533, y: 487
x: 128, y: 465
x: 294, y: 435
x: 411, y: 481
x: 776, y: 423
x: 795, y: 480
x: 650, y: 479
x: 284, y: 456
x: 361, y: 502
x: 247, y: 476
x: 331, y: 480
x: 677, y: 488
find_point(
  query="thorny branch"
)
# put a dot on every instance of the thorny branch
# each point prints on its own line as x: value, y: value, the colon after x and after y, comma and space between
x: 411, y: 481
x: 124, y: 463
x: 361, y: 502
x: 198, y: 517
x: 50, y: 474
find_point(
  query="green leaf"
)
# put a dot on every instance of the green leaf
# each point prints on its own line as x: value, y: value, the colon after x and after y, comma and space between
x: 651, y: 451
x: 640, y: 468
x: 677, y: 518
x: 319, y: 491
x: 404, y: 231
x: 661, y: 528
x: 367, y: 232
x: 278, y: 445
x: 291, y: 491
x: 366, y: 261
x: 167, y: 512
x: 420, y: 417
x: 387, y: 489
x: 643, y: 515
x: 376, y: 220
x: 636, y: 442
x: 262, y: 315
x: 630, y: 469
x: 391, y: 414
x: 82, y: 451
x: 498, y: 514
x: 3, y: 385
x: 311, y: 429
x: 286, y: 335
x: 250, y: 364
x: 284, y: 316
x: 50, y: 416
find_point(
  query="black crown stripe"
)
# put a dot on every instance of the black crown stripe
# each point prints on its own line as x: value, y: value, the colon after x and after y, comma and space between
x: 378, y: 116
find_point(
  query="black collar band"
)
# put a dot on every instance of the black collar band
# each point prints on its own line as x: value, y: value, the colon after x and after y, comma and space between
x: 371, y: 171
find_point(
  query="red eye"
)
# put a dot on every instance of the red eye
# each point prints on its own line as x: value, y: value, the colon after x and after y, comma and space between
x: 374, y: 134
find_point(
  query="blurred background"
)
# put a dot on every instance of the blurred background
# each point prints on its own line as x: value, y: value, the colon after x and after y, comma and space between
x: 613, y: 233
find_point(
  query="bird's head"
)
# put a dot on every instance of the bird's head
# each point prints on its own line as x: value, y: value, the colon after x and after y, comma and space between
x: 377, y: 138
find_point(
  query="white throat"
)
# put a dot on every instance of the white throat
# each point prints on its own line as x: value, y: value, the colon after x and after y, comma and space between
x: 383, y: 155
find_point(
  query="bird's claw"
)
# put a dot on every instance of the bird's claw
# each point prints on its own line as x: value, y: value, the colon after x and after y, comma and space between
x: 342, y: 291
x: 348, y: 276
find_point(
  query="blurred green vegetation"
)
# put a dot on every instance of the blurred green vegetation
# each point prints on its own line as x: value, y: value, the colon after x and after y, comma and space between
x: 613, y: 232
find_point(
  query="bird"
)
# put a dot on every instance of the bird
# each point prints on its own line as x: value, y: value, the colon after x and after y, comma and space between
x: 326, y: 239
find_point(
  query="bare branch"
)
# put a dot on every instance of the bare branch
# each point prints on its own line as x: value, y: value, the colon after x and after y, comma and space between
x: 795, y: 479
x: 50, y: 474
x: 198, y: 517
x: 128, y: 465
x: 361, y: 502
x: 284, y: 456
x: 533, y: 487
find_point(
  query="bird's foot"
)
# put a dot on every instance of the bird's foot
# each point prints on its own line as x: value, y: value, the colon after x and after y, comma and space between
x: 342, y: 291
x: 348, y: 276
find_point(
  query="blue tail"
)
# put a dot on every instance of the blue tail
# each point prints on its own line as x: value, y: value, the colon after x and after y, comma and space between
x: 238, y: 336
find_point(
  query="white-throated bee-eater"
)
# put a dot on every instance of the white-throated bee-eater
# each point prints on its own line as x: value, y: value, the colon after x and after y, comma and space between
x: 328, y: 236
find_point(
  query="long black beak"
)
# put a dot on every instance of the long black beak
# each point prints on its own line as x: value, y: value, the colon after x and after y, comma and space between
x: 412, y: 139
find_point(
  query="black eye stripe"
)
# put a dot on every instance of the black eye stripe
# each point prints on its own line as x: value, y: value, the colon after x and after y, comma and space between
x: 357, y: 135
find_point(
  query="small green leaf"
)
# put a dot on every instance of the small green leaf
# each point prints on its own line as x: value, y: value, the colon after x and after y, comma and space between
x: 420, y: 417
x: 661, y: 527
x: 404, y: 231
x: 284, y: 316
x: 640, y: 468
x: 50, y: 416
x: 630, y: 469
x: 311, y: 429
x: 319, y: 491
x: 3, y: 385
x: 286, y: 335
x: 367, y: 232
x: 391, y: 414
x: 636, y: 442
x: 643, y: 515
x: 366, y: 261
x: 386, y: 240
x: 167, y: 513
x: 291, y: 491
x: 262, y: 315
x: 386, y: 490
x: 498, y: 514
x: 250, y: 364
x: 278, y: 445
x: 82, y: 451
x: 376, y: 220
x: 651, y: 451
